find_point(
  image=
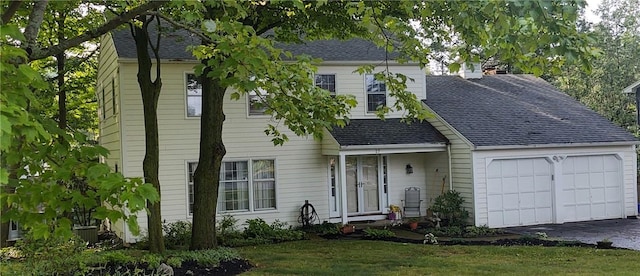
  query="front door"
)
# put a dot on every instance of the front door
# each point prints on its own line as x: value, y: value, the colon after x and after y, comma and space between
x: 362, y: 185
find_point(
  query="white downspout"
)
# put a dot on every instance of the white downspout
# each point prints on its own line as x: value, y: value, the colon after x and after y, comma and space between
x: 343, y: 188
x: 450, y: 169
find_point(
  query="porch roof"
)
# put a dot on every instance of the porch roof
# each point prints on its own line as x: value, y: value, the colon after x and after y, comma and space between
x: 392, y: 133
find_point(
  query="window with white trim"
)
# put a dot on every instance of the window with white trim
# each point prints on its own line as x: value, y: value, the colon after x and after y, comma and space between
x: 240, y: 190
x: 194, y: 95
x: 376, y: 93
x: 326, y: 82
x: 256, y: 101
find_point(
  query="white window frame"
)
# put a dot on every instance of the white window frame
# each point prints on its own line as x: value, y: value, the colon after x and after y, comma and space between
x: 335, y: 83
x: 367, y: 93
x: 251, y: 184
x: 262, y: 111
x: 187, y: 96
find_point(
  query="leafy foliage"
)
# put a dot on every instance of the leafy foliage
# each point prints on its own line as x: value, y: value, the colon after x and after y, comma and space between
x: 449, y: 208
x: 617, y: 36
x: 257, y: 232
x: 177, y: 234
x: 377, y: 234
x: 325, y: 228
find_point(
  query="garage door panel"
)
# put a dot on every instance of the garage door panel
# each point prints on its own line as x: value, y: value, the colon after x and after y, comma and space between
x: 510, y: 185
x: 494, y: 186
x: 581, y: 165
x: 543, y: 200
x: 525, y: 167
x: 596, y: 164
x: 612, y: 194
x: 509, y: 168
x: 592, y: 188
x: 494, y: 203
x: 519, y: 192
x: 596, y: 180
x: 611, y: 179
x: 527, y: 200
x: 526, y: 184
x: 581, y: 180
x: 510, y: 202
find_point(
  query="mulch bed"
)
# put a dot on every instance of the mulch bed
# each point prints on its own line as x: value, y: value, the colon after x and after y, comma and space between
x: 232, y: 267
x: 527, y: 241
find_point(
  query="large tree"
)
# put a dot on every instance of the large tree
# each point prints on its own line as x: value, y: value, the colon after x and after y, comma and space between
x: 235, y: 53
x: 34, y: 145
x: 618, y: 65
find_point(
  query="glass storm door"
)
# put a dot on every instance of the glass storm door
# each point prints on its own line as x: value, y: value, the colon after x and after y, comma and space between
x: 362, y: 185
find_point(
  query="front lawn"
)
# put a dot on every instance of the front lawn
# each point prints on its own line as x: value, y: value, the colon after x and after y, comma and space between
x: 351, y: 257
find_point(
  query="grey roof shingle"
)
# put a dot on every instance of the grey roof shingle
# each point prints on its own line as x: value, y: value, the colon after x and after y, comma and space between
x: 386, y: 132
x: 173, y: 46
x: 514, y: 110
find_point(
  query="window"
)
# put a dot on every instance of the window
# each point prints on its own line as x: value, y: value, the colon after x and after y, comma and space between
x: 113, y: 96
x: 326, y: 82
x: 194, y: 96
x: 104, y: 105
x: 256, y: 102
x: 240, y: 190
x: 376, y: 93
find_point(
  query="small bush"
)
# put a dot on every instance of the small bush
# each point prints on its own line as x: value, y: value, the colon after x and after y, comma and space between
x: 211, y: 257
x: 324, y: 228
x: 450, y: 210
x: 377, y: 234
x: 177, y: 235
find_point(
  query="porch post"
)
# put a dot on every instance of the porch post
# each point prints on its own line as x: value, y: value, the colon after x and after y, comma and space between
x: 343, y: 187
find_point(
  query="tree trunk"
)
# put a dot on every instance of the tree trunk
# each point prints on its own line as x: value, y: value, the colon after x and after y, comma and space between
x: 150, y: 91
x: 207, y: 174
x: 62, y: 94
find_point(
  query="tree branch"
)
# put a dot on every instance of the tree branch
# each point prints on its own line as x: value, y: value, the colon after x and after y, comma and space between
x: 33, y: 27
x: 91, y: 34
x: 10, y: 11
x: 183, y: 26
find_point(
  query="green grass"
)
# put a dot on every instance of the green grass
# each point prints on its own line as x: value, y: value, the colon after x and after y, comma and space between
x: 339, y: 257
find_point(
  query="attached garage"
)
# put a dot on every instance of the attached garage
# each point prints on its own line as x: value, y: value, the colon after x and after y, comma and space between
x: 524, y: 153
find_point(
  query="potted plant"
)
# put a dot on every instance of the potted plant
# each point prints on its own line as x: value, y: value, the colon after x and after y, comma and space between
x: 394, y: 212
x: 413, y: 223
x: 84, y: 224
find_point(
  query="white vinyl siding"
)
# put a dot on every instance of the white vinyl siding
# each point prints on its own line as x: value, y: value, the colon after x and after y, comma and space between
x: 460, y: 162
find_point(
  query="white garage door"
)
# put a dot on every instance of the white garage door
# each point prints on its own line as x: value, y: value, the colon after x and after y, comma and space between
x: 591, y: 188
x: 519, y: 192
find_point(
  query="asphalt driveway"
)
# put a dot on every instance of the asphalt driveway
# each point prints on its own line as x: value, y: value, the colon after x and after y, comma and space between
x: 622, y: 232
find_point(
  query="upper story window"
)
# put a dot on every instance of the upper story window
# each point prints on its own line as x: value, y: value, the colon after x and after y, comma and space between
x: 326, y: 82
x: 194, y: 96
x: 256, y: 103
x: 376, y: 93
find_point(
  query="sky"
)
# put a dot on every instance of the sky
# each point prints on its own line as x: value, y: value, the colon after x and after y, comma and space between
x: 592, y: 5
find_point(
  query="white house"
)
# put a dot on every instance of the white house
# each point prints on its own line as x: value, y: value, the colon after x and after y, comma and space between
x: 479, y: 142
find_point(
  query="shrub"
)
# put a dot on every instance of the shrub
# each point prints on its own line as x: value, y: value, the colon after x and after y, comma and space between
x: 377, y: 234
x: 177, y: 234
x: 450, y: 210
x: 324, y: 228
x: 52, y: 256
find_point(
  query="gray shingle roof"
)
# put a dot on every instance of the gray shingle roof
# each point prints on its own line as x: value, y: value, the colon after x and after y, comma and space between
x: 174, y: 47
x: 386, y: 132
x: 513, y: 110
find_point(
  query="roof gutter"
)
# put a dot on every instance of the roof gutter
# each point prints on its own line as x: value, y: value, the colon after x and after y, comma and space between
x: 325, y: 62
x: 541, y: 146
x: 394, y: 148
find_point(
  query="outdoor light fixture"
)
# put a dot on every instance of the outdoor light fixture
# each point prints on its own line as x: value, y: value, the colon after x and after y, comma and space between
x: 409, y: 169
